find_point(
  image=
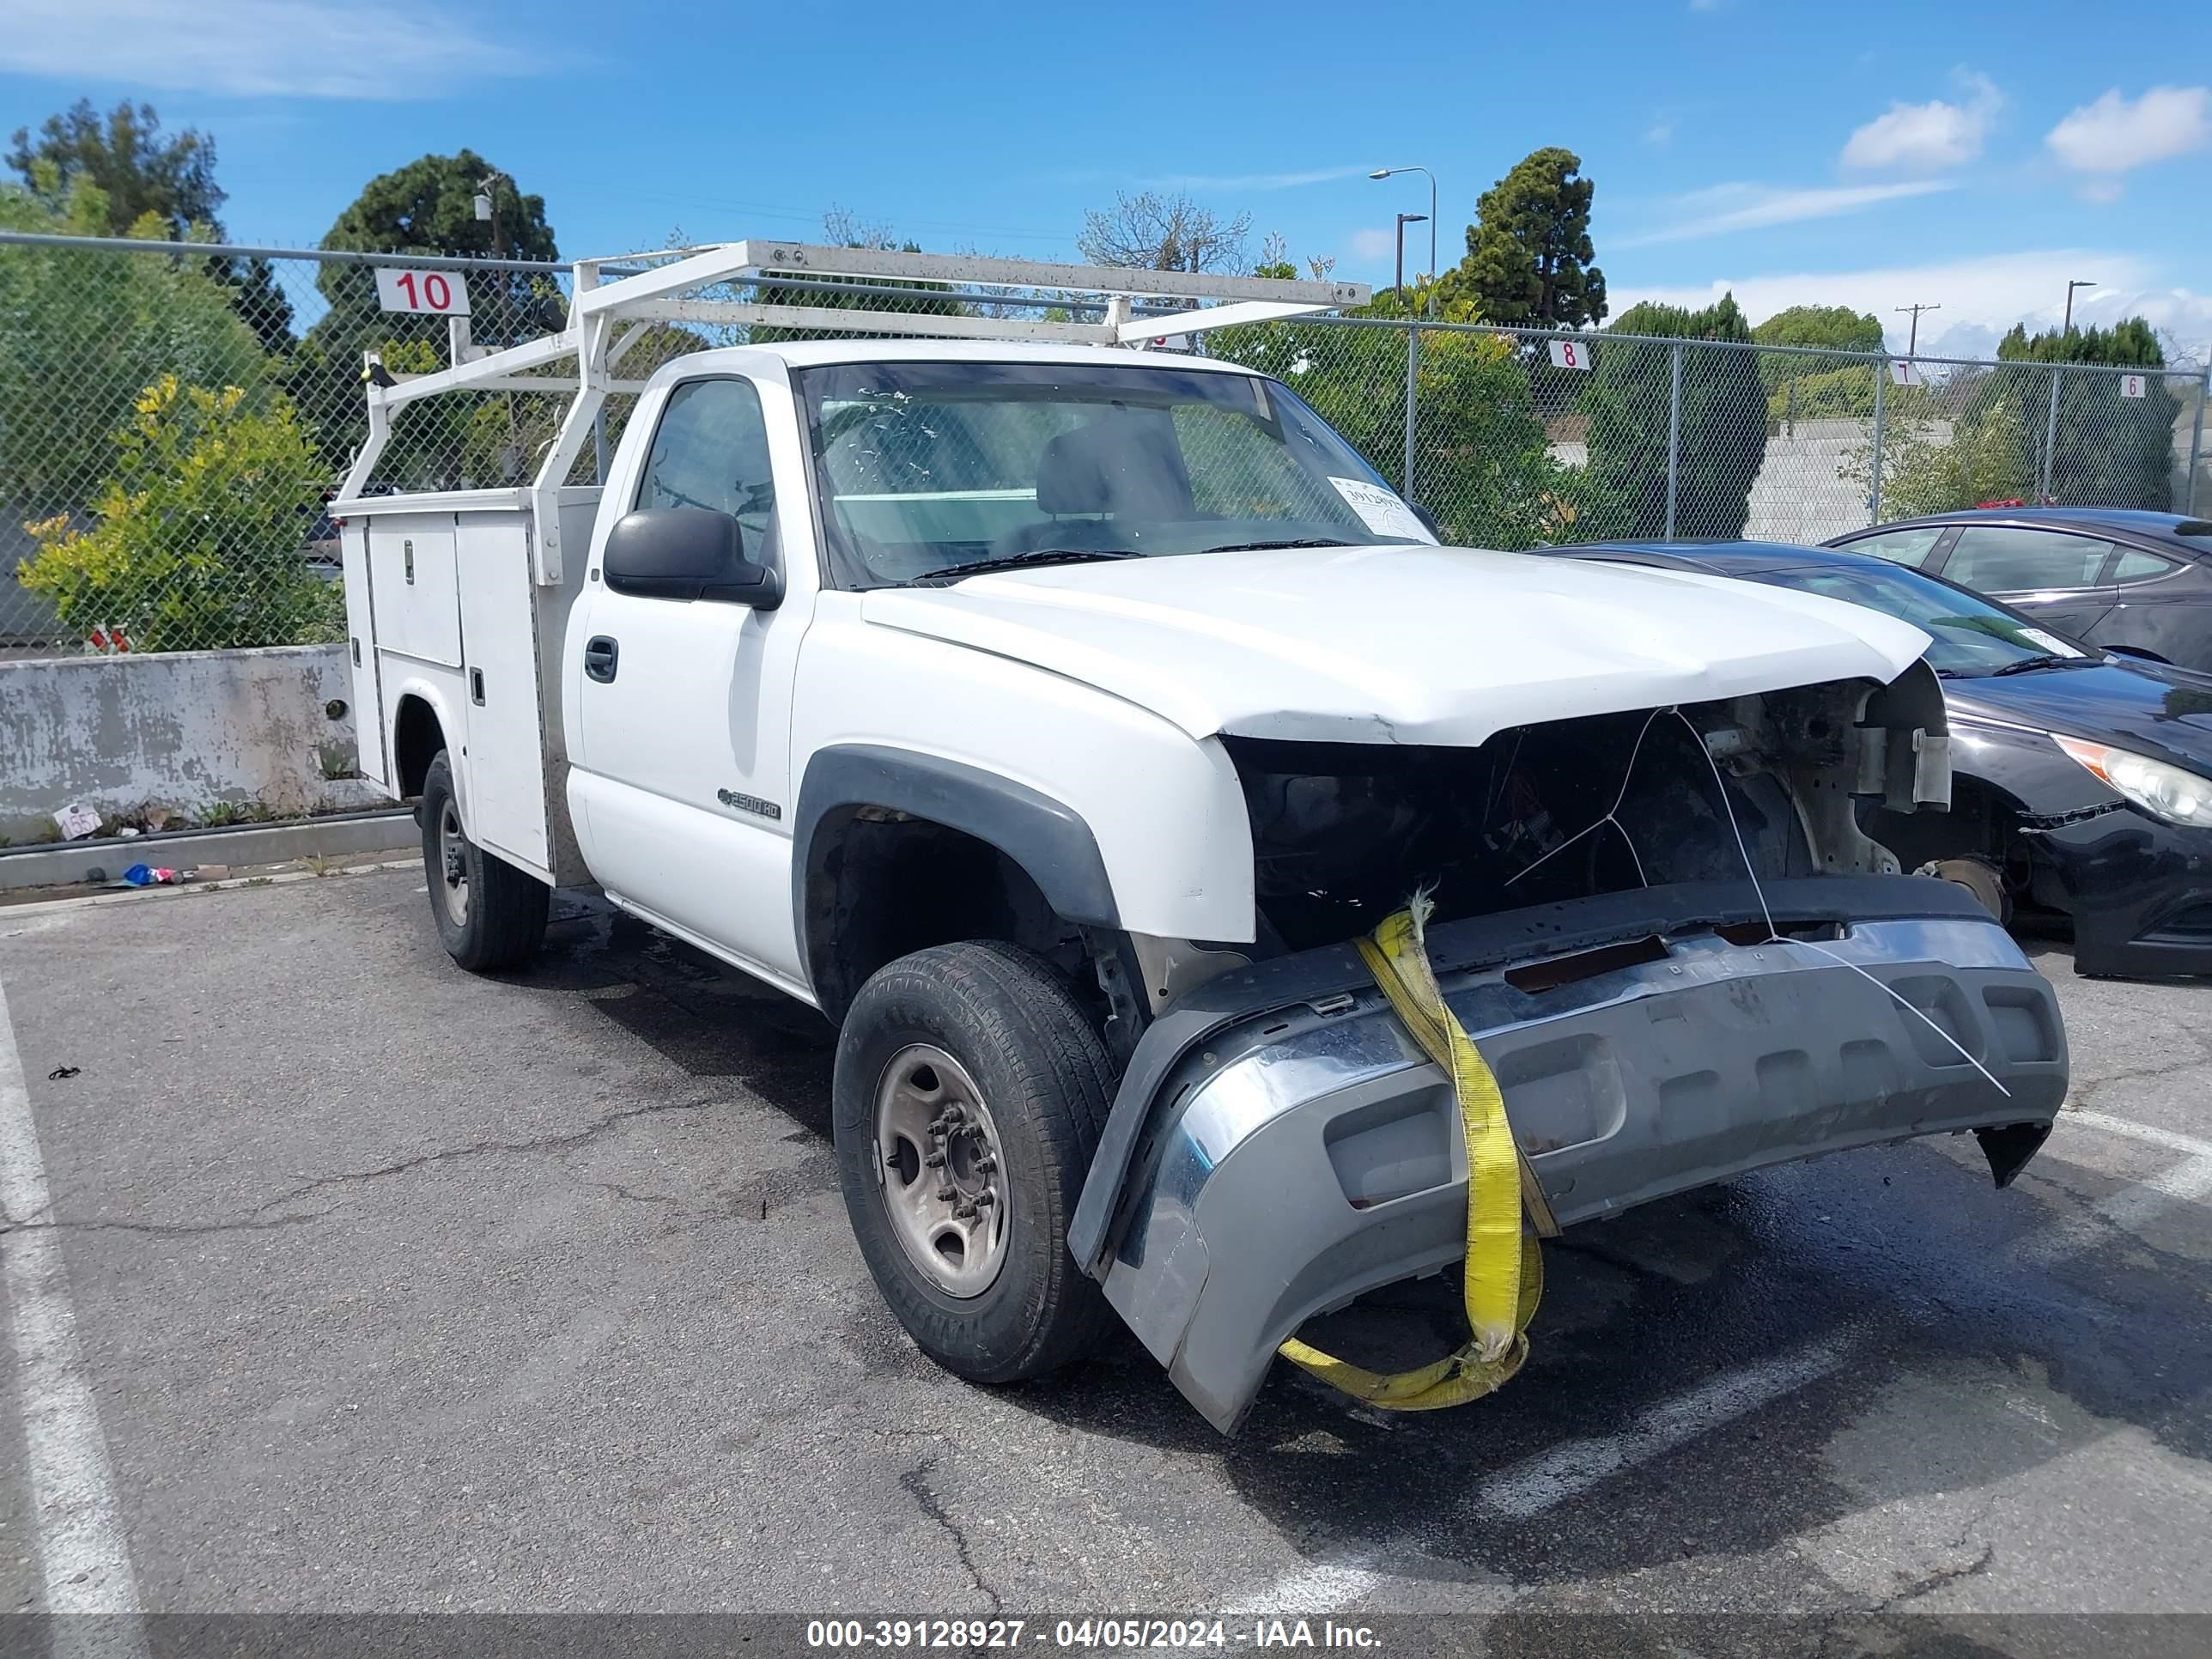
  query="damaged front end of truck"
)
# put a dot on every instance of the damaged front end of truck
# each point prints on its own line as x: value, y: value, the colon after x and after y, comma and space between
x: 1663, y: 928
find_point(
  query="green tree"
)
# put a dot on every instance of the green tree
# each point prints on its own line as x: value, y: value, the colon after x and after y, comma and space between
x: 82, y: 333
x: 426, y: 207
x: 2110, y: 450
x: 1724, y: 421
x: 197, y: 533
x: 141, y: 171
x: 137, y: 168
x: 1844, y: 388
x: 1528, y: 261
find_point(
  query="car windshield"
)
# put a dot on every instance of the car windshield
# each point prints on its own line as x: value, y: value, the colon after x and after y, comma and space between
x: 928, y: 469
x: 1972, y: 635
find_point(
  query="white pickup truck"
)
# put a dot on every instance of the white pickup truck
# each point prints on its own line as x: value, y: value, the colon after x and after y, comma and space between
x: 1051, y: 714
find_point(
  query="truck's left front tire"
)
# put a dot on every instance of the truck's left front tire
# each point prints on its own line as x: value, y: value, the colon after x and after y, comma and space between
x: 968, y: 1101
x: 490, y: 915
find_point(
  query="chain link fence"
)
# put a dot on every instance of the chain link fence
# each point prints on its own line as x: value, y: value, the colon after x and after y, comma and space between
x: 173, y: 417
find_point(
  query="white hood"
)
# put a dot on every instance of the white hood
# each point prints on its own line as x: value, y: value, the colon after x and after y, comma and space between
x: 1401, y: 644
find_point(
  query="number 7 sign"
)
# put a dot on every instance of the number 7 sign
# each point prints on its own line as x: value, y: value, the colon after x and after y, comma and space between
x: 429, y: 293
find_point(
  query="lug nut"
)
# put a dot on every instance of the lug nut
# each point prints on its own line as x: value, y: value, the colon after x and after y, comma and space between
x: 945, y: 1194
x: 965, y: 1212
x: 986, y: 1164
x: 934, y: 1160
x: 987, y: 1199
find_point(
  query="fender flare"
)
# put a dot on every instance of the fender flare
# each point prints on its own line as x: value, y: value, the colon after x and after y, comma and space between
x: 1046, y: 838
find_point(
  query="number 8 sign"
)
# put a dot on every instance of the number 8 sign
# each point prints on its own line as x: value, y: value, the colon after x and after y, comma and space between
x: 429, y: 293
x: 1570, y: 353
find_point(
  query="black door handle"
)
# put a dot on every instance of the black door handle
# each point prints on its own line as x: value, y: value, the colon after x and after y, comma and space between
x: 600, y: 654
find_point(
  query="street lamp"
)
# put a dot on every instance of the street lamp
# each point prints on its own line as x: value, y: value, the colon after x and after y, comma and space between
x: 2068, y: 328
x: 1405, y: 219
x: 1386, y: 172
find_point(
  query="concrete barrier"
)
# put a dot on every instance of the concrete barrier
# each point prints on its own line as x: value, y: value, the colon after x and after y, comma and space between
x: 266, y: 731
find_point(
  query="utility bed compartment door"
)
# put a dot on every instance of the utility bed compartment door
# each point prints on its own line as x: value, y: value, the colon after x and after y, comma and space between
x: 411, y: 585
x: 505, y: 740
x: 361, y: 654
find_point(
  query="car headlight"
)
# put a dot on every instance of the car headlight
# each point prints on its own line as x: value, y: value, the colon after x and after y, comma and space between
x: 2164, y: 792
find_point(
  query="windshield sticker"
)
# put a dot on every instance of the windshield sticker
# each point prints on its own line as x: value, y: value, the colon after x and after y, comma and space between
x: 1382, y: 511
x: 2051, y: 643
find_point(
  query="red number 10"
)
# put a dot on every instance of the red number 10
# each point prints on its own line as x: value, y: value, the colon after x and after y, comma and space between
x: 437, y: 293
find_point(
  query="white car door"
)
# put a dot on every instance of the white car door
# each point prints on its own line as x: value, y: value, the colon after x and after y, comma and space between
x: 680, y: 773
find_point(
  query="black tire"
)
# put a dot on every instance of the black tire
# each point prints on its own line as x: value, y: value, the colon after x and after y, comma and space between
x: 1043, y: 1073
x: 490, y: 915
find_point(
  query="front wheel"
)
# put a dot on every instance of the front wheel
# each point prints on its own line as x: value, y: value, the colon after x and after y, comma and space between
x: 490, y: 914
x: 968, y: 1097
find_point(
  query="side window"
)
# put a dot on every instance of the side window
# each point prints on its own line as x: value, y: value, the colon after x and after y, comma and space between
x: 1909, y: 547
x: 2137, y: 566
x: 2002, y: 559
x: 711, y: 450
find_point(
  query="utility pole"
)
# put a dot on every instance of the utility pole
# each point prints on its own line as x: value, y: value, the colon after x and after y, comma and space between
x: 1912, y: 343
x: 2067, y: 327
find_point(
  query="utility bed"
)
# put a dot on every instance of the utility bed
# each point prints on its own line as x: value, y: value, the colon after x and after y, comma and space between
x: 443, y: 604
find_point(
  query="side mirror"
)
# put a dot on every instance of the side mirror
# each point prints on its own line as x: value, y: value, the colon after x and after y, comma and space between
x: 686, y: 553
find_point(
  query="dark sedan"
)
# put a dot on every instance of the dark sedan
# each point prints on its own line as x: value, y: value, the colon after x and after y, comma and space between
x: 2127, y: 581
x: 2081, y: 782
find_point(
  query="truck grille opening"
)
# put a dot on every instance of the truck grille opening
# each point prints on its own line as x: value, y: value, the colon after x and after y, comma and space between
x: 1343, y: 832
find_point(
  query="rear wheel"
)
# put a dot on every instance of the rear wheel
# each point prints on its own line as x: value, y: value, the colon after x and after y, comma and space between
x: 489, y: 914
x: 968, y: 1097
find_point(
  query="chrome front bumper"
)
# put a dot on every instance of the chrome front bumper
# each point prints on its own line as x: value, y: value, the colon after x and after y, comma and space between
x: 1279, y: 1146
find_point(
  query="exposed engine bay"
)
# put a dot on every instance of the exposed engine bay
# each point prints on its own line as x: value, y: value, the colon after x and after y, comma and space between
x: 1342, y: 833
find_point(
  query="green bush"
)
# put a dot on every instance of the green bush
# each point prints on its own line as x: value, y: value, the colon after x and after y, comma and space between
x: 1985, y: 457
x: 199, y: 530
x: 1723, y: 424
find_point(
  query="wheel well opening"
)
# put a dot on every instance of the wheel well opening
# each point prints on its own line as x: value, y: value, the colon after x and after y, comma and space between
x: 417, y: 737
x: 881, y: 883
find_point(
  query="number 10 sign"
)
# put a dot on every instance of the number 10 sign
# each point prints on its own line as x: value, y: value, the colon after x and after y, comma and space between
x: 432, y: 293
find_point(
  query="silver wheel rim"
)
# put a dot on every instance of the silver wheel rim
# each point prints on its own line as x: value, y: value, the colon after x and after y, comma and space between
x: 940, y: 1171
x: 452, y: 871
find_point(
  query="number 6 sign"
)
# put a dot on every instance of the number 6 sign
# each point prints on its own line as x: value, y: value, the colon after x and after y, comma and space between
x: 1570, y: 353
x: 430, y: 293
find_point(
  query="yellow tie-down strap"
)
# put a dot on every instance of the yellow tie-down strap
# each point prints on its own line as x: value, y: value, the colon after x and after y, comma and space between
x: 1503, y: 1278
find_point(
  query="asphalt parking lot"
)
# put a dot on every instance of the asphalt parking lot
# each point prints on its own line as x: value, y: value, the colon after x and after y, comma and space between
x: 391, y: 1289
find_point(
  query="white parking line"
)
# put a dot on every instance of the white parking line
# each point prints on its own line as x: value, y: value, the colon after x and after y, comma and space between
x: 2172, y: 1139
x: 83, y: 1557
x: 1551, y: 1477
x: 1319, y: 1589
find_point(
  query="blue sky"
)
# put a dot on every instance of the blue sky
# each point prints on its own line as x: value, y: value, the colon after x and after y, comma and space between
x: 1973, y: 155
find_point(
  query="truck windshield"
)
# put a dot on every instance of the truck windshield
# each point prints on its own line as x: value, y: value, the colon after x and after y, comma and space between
x: 925, y: 469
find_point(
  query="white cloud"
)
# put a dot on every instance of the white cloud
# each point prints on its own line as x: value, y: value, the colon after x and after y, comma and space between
x: 2114, y: 135
x: 397, y: 49
x: 1256, y: 180
x: 1927, y: 136
x: 1377, y: 242
x: 1725, y: 208
x: 1981, y: 298
x: 1660, y: 134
